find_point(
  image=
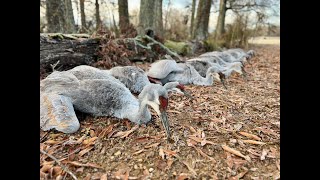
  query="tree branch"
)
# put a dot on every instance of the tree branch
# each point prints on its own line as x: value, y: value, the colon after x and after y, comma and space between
x: 60, y: 164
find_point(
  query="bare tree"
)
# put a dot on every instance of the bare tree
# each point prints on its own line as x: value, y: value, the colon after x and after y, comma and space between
x: 158, y: 26
x: 69, y: 18
x: 202, y: 20
x: 55, y: 16
x: 150, y: 17
x: 83, y: 16
x: 193, y: 9
x: 98, y: 19
x: 238, y: 6
x: 221, y: 18
x: 123, y: 14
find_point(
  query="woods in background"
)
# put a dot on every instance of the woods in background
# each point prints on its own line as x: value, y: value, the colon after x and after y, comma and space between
x: 250, y: 18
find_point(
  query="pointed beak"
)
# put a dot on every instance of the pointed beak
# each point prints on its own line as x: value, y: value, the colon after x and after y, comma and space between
x: 165, y: 123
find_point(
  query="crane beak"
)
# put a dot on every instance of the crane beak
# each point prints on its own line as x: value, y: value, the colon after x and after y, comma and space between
x: 223, y: 77
x: 165, y: 123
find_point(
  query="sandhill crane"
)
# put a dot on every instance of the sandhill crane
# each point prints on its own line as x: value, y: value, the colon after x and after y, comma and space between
x: 169, y: 71
x: 202, y: 66
x: 99, y: 97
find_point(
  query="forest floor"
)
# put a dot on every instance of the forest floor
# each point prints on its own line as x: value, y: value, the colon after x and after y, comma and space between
x: 220, y: 134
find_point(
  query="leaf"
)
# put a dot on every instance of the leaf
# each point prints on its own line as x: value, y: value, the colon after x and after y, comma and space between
x: 152, y: 145
x: 204, y: 154
x: 104, y: 177
x: 89, y: 141
x: 192, y: 129
x: 52, y: 142
x: 56, y: 170
x: 123, y: 134
x: 278, y: 164
x: 80, y: 169
x: 182, y: 176
x: 189, y: 167
x: 263, y: 154
x: 92, y: 133
x: 161, y: 153
x: 250, y: 136
x: 76, y: 163
x: 138, y: 152
x: 169, y: 162
x: 84, y: 151
x: 170, y: 153
x: 253, y: 142
x: 191, y: 142
x: 88, y: 177
x: 235, y: 152
x: 46, y: 168
x: 106, y: 131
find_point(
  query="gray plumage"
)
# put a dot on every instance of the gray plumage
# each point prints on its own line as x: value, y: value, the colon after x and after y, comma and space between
x: 191, y: 76
x: 132, y: 77
x: 62, y: 91
x: 227, y: 69
x: 162, y: 68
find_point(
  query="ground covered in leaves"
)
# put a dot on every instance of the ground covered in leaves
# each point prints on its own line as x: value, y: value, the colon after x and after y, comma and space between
x: 220, y: 134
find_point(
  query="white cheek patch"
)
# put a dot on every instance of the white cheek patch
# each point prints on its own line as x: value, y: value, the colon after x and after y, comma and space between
x: 155, y: 106
x: 177, y: 91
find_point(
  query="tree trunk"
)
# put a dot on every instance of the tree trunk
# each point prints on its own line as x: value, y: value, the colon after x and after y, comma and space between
x: 83, y: 17
x: 55, y: 16
x: 98, y: 20
x: 70, y: 24
x: 150, y: 17
x: 221, y: 19
x: 145, y: 16
x: 123, y: 15
x: 69, y: 53
x: 158, y: 23
x: 202, y: 20
x: 192, y: 17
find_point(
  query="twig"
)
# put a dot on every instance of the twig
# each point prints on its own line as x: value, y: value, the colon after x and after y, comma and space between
x: 54, y: 65
x: 59, y: 163
x: 164, y: 47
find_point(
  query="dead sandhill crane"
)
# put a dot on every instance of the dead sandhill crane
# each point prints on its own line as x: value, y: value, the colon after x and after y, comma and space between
x: 62, y: 92
x: 224, y: 71
x: 238, y: 53
x: 168, y: 70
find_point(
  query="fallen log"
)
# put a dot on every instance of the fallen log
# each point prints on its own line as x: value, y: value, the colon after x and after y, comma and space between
x: 68, y: 50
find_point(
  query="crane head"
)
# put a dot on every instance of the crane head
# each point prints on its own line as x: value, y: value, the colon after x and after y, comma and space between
x: 156, y: 96
x: 216, y: 76
x: 177, y: 87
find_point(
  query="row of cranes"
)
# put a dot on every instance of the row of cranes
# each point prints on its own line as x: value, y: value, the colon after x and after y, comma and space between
x: 111, y: 92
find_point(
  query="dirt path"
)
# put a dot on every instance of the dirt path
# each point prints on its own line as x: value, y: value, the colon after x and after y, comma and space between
x: 207, y: 132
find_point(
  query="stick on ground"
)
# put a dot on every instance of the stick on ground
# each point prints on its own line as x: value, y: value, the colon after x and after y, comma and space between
x: 60, y: 164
